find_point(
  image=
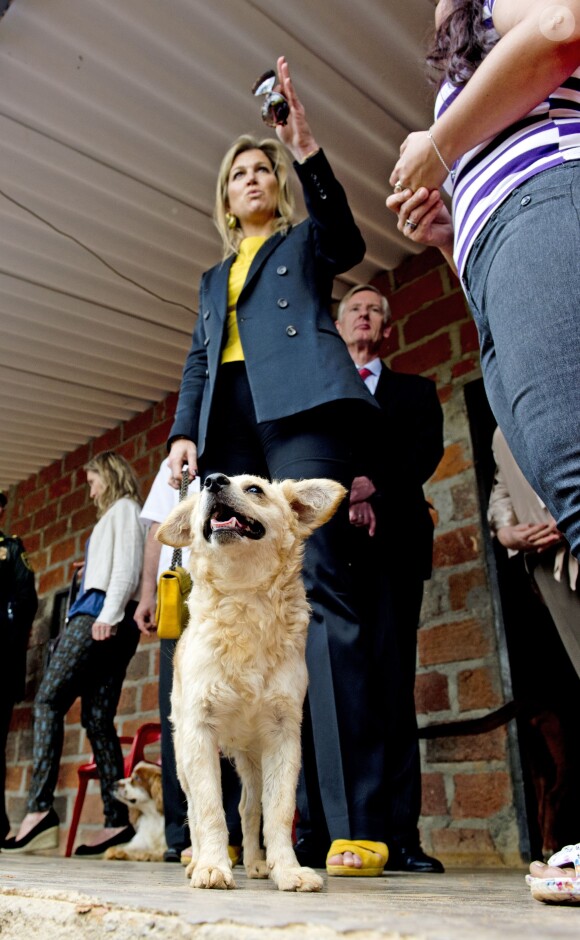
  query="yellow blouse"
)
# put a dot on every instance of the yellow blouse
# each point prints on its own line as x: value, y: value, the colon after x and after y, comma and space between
x: 249, y: 248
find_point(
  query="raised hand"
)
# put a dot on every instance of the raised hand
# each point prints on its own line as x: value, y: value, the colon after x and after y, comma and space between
x: 296, y: 133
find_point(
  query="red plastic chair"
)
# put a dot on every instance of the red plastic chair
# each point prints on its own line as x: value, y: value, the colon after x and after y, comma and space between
x: 149, y: 733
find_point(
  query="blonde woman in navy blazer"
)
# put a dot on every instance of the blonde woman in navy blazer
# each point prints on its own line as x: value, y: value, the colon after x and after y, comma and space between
x: 287, y: 407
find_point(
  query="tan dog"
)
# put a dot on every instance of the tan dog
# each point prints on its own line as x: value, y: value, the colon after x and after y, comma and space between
x: 142, y: 792
x: 240, y: 673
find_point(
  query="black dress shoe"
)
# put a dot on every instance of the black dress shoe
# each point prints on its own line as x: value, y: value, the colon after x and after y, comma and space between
x: 43, y: 836
x: 172, y: 855
x: 413, y: 860
x: 309, y: 854
x: 98, y: 851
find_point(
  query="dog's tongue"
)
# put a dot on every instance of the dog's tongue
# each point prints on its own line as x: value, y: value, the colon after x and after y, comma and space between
x: 232, y: 523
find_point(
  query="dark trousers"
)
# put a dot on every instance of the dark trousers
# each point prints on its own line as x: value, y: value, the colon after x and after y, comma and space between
x: 340, y: 791
x: 95, y: 670
x: 7, y: 700
x: 174, y: 799
x: 402, y: 743
x: 389, y: 597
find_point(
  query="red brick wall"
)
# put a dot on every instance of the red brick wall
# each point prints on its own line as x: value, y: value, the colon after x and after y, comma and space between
x: 468, y: 814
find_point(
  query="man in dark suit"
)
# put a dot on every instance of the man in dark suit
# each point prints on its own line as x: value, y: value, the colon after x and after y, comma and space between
x: 392, y: 547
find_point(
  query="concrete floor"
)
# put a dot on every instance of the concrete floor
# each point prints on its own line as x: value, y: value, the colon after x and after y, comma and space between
x: 58, y: 898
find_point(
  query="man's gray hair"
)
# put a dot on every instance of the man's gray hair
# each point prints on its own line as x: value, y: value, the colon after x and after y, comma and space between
x: 356, y: 290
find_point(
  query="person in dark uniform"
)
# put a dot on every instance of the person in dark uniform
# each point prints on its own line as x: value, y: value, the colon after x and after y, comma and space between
x: 391, y: 555
x: 18, y: 605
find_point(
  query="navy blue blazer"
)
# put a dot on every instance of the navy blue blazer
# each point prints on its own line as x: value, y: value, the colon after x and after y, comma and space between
x: 295, y: 359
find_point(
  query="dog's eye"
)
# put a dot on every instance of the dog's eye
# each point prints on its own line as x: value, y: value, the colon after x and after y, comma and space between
x: 257, y: 490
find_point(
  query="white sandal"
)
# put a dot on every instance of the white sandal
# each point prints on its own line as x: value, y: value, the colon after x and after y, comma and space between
x: 564, y: 889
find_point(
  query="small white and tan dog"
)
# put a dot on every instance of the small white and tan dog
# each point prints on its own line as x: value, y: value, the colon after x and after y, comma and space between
x: 239, y: 672
x: 142, y: 792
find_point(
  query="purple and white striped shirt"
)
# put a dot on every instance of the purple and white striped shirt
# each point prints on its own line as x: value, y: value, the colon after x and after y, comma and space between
x: 486, y: 175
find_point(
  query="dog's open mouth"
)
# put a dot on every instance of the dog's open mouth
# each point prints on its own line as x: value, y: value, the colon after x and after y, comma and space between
x: 225, y: 520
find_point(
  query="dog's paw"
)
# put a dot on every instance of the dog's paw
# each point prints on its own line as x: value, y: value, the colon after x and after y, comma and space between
x: 296, y: 879
x: 214, y: 876
x: 191, y: 868
x: 116, y: 852
x: 257, y: 868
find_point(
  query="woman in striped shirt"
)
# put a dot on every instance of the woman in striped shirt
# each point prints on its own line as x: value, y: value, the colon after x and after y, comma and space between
x: 507, y: 140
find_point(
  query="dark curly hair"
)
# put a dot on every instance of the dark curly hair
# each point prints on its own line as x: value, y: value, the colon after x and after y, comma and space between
x: 460, y: 44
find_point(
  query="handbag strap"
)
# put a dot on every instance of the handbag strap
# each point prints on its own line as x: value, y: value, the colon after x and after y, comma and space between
x: 176, y: 557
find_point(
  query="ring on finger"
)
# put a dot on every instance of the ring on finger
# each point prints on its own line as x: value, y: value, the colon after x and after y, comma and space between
x: 398, y: 187
x: 411, y: 224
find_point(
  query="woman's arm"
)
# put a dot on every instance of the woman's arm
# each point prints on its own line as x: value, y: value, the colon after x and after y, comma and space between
x: 145, y: 613
x: 338, y: 239
x: 500, y: 510
x: 295, y: 133
x: 184, y: 429
x: 537, y: 51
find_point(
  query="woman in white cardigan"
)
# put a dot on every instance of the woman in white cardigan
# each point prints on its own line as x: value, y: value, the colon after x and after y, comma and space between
x: 91, y: 660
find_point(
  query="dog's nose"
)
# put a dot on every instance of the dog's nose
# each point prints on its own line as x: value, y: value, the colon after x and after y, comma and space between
x: 216, y: 482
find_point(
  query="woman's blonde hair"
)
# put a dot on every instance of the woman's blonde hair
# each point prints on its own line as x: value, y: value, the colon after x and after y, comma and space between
x: 276, y: 154
x: 118, y: 477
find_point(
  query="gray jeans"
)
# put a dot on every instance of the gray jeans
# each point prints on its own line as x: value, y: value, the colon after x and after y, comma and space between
x: 523, y: 285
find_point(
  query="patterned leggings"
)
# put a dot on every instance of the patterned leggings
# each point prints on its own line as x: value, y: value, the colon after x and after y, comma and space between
x: 95, y: 671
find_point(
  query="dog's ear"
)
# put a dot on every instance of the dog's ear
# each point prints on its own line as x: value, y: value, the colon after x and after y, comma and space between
x: 313, y: 501
x: 157, y: 792
x: 176, y: 530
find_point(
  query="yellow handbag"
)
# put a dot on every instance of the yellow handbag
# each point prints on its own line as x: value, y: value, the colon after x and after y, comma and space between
x: 172, y: 612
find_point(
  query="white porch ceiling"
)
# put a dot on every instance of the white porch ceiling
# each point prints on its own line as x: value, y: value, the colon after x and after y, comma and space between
x: 114, y: 116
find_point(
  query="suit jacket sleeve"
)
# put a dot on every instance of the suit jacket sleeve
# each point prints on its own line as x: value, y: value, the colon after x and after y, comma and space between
x: 427, y: 437
x: 408, y: 450
x: 337, y: 237
x: 413, y: 427
x: 192, y: 383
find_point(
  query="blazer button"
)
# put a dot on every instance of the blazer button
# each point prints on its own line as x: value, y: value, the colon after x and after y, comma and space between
x: 291, y: 331
x: 283, y: 303
x: 207, y: 373
x: 206, y: 315
x: 206, y: 341
x: 282, y: 269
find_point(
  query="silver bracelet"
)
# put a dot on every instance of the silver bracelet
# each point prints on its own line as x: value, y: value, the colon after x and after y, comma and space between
x: 451, y: 173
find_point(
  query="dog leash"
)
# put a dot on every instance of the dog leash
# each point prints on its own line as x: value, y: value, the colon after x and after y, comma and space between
x: 176, y: 556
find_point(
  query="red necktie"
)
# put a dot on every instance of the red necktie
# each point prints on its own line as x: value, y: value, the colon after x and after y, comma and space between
x: 364, y: 372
